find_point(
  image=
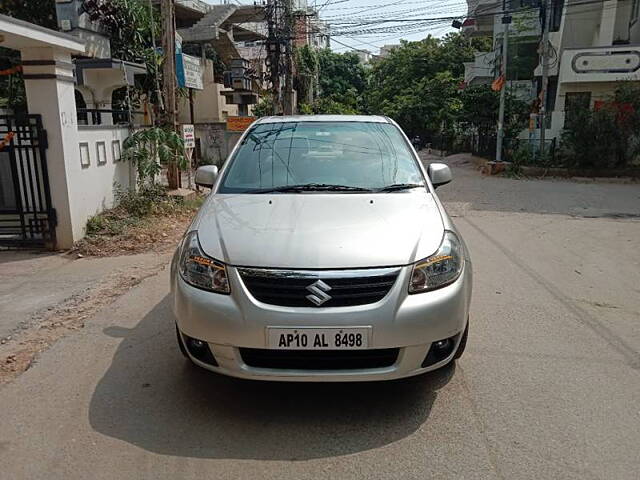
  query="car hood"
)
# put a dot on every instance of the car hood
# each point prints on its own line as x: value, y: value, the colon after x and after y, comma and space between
x: 320, y: 230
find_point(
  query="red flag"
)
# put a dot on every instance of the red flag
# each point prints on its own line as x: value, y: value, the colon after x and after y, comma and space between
x: 498, y: 83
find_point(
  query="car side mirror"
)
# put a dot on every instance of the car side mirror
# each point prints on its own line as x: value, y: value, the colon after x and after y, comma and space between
x: 439, y: 174
x: 206, y: 175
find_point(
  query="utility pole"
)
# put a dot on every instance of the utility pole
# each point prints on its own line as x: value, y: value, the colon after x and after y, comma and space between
x: 288, y: 79
x: 506, y: 20
x: 157, y: 76
x: 545, y: 75
x: 167, y: 9
x: 273, y: 47
x: 169, y: 66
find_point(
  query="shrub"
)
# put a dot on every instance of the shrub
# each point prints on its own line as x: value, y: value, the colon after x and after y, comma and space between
x: 142, y: 202
x: 607, y: 137
x: 590, y: 137
x: 151, y: 148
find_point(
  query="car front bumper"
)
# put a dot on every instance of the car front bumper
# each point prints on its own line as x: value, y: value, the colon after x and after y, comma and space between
x: 411, y: 323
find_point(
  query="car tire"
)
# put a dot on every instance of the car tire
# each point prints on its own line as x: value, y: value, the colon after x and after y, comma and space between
x: 183, y: 350
x: 463, y: 343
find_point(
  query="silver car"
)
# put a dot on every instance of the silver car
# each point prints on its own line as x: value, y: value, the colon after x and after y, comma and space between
x: 322, y: 254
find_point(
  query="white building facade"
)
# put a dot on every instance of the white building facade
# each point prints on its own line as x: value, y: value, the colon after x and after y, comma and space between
x: 597, y: 46
x: 592, y: 47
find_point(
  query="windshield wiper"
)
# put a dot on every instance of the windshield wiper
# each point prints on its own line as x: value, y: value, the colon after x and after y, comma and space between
x: 312, y: 187
x: 400, y: 186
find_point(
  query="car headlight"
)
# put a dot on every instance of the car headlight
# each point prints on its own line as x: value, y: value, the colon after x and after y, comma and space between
x: 440, y: 269
x: 199, y: 270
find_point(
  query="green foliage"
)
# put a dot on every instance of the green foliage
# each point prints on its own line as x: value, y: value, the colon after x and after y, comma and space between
x: 341, y: 81
x: 140, y: 203
x: 305, y: 109
x: 151, y: 148
x: 134, y: 208
x: 264, y: 107
x: 307, y: 65
x: 589, y: 138
x: 479, y: 111
x: 130, y: 25
x: 340, y: 74
x: 329, y: 106
x: 525, y: 153
x: 40, y: 12
x: 12, y: 91
x: 608, y: 137
x: 425, y: 109
x: 417, y: 83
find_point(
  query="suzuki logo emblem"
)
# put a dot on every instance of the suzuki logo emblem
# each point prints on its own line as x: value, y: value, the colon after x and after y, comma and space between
x: 319, y: 294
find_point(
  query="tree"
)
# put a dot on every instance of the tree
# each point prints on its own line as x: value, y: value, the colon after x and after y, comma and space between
x: 340, y: 74
x: 307, y: 68
x: 40, y: 12
x: 426, y: 108
x: 341, y: 81
x: 478, y: 113
x: 130, y: 26
x: 417, y: 84
x: 151, y: 148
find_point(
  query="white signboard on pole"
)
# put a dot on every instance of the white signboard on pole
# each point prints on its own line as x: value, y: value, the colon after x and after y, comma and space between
x: 192, y: 72
x: 189, y: 136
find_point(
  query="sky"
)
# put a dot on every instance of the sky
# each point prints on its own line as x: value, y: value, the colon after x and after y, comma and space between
x: 361, y: 24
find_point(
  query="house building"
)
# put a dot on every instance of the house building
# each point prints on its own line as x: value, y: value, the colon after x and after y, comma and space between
x: 309, y: 29
x: 592, y: 47
x: 524, y: 38
x: 54, y: 172
x: 385, y: 50
x: 364, y: 56
x: 595, y: 47
x: 228, y: 29
x: 60, y: 163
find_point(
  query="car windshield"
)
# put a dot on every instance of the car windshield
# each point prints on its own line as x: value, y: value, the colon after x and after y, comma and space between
x: 322, y: 156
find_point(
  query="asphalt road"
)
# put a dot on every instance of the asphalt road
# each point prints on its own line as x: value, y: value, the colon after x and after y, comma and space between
x: 549, y: 387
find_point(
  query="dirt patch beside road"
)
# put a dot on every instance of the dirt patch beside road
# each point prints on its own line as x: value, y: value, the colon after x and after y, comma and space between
x: 121, y: 231
x: 158, y: 233
x: 114, y: 233
x: 20, y: 351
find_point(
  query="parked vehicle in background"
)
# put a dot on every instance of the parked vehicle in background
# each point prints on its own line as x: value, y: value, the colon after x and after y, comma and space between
x: 322, y: 254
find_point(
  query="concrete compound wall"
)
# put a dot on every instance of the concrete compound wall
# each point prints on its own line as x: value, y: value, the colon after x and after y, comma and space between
x: 210, y: 112
x: 213, y: 144
x: 99, y: 171
x: 216, y: 143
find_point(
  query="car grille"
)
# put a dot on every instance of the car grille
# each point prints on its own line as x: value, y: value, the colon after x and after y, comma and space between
x: 291, y: 288
x: 319, y: 359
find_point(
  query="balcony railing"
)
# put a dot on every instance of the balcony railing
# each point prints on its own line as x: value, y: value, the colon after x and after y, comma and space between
x: 198, y: 5
x: 482, y: 66
x: 97, y: 116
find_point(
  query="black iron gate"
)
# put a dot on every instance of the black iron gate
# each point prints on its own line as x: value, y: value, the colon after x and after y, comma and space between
x: 26, y: 215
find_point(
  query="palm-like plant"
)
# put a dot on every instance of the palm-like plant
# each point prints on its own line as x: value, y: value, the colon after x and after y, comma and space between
x: 152, y: 148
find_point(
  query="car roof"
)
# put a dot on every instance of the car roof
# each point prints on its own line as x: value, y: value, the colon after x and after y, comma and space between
x: 324, y: 118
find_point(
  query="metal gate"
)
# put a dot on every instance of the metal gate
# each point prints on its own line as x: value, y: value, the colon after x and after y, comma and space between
x: 26, y: 215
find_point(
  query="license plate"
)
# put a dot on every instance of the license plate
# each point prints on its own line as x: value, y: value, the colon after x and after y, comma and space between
x: 318, y: 338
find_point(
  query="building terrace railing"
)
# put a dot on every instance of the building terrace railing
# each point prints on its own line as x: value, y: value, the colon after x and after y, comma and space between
x: 198, y: 5
x: 97, y: 116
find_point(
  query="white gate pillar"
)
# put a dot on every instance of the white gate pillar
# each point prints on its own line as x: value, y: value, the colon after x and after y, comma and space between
x: 49, y: 84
